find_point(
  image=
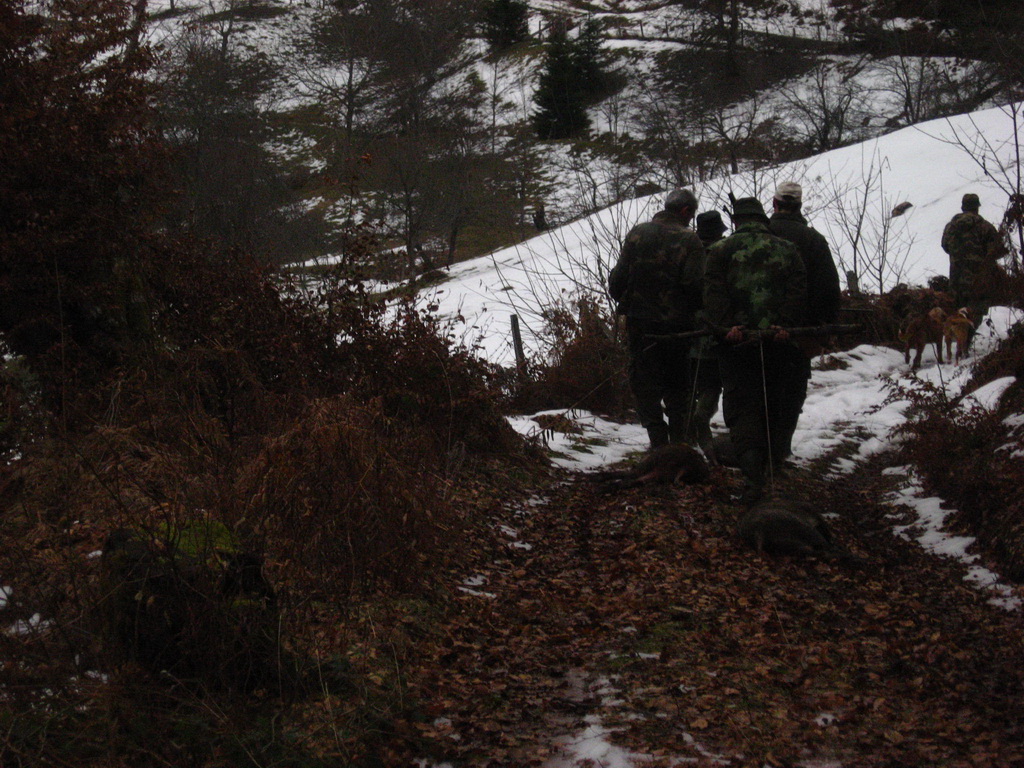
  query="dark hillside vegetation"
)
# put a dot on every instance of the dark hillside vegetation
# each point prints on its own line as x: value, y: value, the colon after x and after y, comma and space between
x: 969, y: 28
x: 439, y: 121
x: 275, y: 475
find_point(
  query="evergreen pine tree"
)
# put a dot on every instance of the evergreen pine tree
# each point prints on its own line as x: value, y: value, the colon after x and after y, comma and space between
x: 561, y: 102
x: 591, y: 62
x: 505, y: 23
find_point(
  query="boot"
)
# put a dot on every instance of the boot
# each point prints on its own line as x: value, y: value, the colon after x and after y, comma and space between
x: 751, y: 463
x: 658, y: 435
x: 780, y: 457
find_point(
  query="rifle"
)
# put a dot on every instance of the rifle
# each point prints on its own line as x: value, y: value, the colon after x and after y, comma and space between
x: 833, y: 329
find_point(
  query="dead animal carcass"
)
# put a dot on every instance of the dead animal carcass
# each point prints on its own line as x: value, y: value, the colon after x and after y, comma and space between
x: 675, y: 463
x: 780, y: 527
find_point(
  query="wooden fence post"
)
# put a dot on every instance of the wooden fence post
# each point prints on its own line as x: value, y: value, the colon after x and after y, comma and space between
x: 517, y: 344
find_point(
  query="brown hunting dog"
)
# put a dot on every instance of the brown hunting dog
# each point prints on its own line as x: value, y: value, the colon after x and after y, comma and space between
x: 921, y: 331
x: 958, y: 328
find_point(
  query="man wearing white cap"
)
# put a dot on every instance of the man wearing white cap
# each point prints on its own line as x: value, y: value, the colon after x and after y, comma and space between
x: 823, y: 292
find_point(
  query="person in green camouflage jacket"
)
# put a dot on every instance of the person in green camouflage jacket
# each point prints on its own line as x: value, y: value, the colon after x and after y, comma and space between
x: 755, y: 280
x: 974, y: 247
x: 657, y: 286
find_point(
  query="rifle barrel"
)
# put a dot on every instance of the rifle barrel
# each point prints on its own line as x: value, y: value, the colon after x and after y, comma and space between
x: 834, y: 329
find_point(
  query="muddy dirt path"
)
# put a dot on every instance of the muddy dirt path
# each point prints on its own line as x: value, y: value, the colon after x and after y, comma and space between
x: 636, y: 629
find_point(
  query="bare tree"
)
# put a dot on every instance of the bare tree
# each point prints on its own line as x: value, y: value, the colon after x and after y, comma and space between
x: 675, y: 138
x: 233, y: 189
x: 570, y: 264
x: 742, y: 130
x: 926, y: 87
x: 877, y: 244
x: 395, y: 82
x: 337, y: 69
x: 828, y: 107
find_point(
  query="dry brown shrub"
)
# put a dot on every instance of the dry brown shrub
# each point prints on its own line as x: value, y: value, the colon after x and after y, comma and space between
x: 345, y: 502
x: 585, y: 366
x: 970, y: 455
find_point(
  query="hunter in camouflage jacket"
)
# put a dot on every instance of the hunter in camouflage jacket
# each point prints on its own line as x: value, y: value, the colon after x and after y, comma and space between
x: 657, y: 284
x: 757, y: 280
x: 659, y: 273
x: 754, y: 279
x: 974, y: 247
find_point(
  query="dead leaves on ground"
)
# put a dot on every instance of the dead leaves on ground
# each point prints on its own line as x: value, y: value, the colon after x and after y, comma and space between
x: 644, y: 610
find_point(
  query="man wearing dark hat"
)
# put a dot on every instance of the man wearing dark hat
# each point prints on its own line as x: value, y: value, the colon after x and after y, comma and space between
x: 823, y: 292
x: 657, y: 284
x: 755, y: 281
x: 707, y: 383
x: 974, y: 247
x: 710, y: 227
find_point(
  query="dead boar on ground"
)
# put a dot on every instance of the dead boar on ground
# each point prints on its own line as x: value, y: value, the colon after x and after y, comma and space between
x: 781, y: 527
x: 675, y: 463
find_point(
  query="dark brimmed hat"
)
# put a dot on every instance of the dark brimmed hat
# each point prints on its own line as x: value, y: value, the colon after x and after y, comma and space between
x: 710, y: 225
x: 971, y: 202
x: 680, y: 198
x: 748, y: 208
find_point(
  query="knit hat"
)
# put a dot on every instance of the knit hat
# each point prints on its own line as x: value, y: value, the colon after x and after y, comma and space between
x: 710, y: 225
x: 970, y: 202
x: 748, y: 208
x: 680, y: 198
x: 790, y: 192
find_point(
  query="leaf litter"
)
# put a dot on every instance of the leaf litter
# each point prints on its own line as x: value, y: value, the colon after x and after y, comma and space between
x: 639, y: 631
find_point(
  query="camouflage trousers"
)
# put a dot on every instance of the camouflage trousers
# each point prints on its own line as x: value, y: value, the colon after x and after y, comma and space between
x: 967, y: 282
x: 659, y: 373
x: 762, y: 395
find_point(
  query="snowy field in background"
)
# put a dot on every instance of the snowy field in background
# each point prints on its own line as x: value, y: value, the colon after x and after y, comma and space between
x: 919, y: 165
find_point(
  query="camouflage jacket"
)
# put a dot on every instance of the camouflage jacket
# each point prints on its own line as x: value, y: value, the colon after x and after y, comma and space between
x: 756, y: 279
x: 823, y: 291
x: 660, y: 272
x: 969, y: 237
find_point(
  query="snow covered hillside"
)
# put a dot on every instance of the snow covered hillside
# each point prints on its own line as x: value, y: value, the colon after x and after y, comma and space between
x: 930, y: 166
x: 806, y: 83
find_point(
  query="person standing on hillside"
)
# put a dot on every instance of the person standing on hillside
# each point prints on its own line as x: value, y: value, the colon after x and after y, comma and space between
x: 657, y: 285
x: 822, y: 301
x: 974, y: 247
x: 755, y: 281
x: 707, y: 383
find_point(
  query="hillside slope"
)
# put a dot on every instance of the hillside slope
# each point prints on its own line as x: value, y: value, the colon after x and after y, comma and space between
x: 924, y: 165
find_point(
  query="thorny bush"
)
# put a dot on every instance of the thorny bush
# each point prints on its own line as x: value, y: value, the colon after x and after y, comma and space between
x: 584, y: 365
x: 970, y: 455
x: 323, y: 431
x: 329, y: 443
